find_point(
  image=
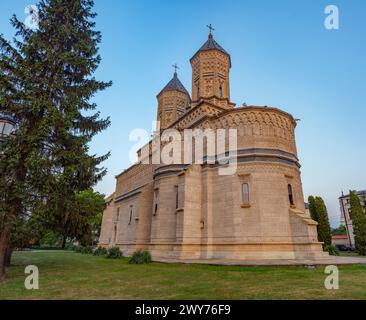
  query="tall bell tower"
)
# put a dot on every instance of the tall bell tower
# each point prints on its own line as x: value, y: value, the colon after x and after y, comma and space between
x: 211, y: 74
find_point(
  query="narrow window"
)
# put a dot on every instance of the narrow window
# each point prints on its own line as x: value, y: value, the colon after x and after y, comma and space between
x: 117, y: 214
x: 131, y: 212
x: 290, y: 195
x: 220, y: 90
x: 115, y: 234
x: 156, y: 195
x: 176, y: 198
x: 245, y: 193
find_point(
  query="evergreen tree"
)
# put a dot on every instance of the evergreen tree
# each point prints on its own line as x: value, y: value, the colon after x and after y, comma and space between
x: 318, y: 212
x: 46, y: 84
x: 83, y: 219
x: 311, y: 202
x: 324, y: 230
x: 359, y: 223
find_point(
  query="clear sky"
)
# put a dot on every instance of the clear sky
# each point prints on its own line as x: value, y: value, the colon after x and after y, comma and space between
x: 282, y: 56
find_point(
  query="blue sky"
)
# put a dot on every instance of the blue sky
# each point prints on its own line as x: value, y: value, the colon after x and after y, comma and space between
x: 282, y: 56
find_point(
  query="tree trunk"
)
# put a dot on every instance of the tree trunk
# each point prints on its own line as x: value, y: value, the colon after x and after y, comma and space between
x: 8, y: 255
x: 64, y: 242
x: 4, y: 244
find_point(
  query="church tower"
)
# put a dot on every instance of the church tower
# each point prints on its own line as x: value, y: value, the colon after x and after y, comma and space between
x: 173, y: 102
x: 210, y: 74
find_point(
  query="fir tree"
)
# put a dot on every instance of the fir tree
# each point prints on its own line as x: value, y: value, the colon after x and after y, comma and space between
x: 318, y: 212
x: 312, y: 209
x: 46, y: 83
x: 359, y: 223
x: 324, y: 230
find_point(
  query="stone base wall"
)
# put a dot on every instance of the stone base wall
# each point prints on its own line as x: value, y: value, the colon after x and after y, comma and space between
x: 245, y: 251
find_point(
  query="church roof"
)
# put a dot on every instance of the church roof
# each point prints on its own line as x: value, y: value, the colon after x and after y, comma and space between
x: 174, y: 85
x: 211, y: 44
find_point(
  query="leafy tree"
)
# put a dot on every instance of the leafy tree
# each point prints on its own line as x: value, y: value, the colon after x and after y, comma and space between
x: 319, y: 213
x: 359, y: 223
x: 46, y: 84
x: 50, y: 238
x: 341, y: 230
x: 23, y: 233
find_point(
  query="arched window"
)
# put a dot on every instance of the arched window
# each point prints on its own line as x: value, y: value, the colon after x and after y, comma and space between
x: 290, y: 195
x: 245, y: 193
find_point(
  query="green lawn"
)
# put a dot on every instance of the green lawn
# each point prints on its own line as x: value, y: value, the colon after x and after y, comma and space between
x: 69, y: 275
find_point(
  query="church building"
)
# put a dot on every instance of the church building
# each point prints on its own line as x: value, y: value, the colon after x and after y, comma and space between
x: 188, y: 211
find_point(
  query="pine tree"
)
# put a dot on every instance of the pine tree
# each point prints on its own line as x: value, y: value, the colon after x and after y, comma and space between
x: 324, y: 230
x: 359, y: 223
x: 46, y: 84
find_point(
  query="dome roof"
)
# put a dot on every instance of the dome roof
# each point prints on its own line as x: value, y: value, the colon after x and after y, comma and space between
x: 174, y: 85
x: 211, y: 44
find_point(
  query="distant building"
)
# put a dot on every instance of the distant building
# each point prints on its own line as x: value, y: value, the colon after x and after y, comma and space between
x: 340, y: 240
x: 344, y: 202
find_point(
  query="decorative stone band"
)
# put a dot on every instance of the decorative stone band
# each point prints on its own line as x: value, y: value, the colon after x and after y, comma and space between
x: 128, y: 195
x: 243, y: 156
x: 247, y: 155
x: 263, y: 155
x: 169, y: 170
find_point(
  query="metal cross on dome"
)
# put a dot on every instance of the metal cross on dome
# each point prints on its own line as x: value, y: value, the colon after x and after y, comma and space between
x: 211, y: 28
x: 175, y: 66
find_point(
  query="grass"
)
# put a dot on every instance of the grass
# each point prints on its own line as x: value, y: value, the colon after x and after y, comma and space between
x: 69, y: 275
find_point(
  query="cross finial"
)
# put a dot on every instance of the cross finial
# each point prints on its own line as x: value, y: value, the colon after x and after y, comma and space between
x: 211, y: 28
x: 175, y: 66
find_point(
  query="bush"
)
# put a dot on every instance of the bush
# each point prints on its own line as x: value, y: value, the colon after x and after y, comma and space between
x: 100, y: 251
x: 140, y: 257
x: 69, y: 246
x: 78, y: 249
x: 332, y: 250
x: 88, y: 250
x: 114, y: 253
x: 84, y: 250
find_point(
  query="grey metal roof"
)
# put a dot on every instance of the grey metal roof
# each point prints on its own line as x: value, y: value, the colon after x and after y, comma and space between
x: 174, y: 85
x: 211, y: 44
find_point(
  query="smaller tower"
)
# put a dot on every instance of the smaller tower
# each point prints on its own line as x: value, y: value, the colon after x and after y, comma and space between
x: 211, y: 74
x: 173, y: 102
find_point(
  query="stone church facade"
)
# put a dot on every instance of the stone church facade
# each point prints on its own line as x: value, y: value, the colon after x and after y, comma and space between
x: 190, y: 211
